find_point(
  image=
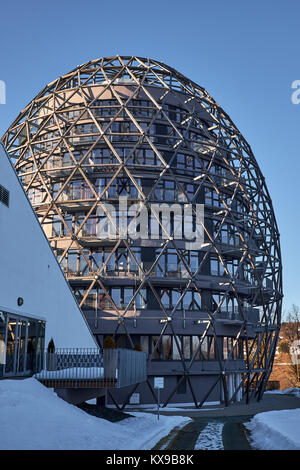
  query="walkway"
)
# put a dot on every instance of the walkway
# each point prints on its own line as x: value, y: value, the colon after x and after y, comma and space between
x: 269, y: 402
x: 221, y: 428
x: 208, y: 434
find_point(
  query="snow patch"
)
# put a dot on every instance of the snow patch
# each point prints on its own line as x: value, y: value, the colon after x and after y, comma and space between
x: 33, y: 417
x: 210, y: 438
x: 288, y: 391
x: 275, y: 430
x: 72, y: 373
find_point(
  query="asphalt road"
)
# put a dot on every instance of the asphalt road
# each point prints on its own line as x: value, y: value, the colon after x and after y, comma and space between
x: 269, y: 402
x: 209, y: 434
x: 215, y: 428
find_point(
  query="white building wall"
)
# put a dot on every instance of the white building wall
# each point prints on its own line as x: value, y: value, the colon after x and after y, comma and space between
x: 29, y: 269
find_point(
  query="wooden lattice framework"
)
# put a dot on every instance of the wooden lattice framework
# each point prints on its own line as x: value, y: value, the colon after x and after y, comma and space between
x: 101, y: 120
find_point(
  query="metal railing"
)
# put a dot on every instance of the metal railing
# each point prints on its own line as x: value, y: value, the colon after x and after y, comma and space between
x: 86, y: 367
x: 250, y: 314
x: 132, y: 367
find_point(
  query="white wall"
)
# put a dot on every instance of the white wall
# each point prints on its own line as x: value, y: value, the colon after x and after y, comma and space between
x: 29, y: 269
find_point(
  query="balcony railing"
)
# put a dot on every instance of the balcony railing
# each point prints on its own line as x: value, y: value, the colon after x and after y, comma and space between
x: 89, y: 368
x: 171, y: 271
x: 250, y: 314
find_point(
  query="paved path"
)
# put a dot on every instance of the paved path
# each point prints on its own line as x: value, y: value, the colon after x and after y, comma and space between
x: 218, y: 427
x: 234, y: 435
x: 208, y: 434
x: 269, y: 402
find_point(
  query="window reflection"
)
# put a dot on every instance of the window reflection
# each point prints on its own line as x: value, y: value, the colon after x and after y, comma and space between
x: 21, y: 345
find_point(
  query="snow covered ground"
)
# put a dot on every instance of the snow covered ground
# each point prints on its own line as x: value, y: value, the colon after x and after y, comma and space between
x: 277, y: 430
x: 287, y: 391
x: 33, y: 417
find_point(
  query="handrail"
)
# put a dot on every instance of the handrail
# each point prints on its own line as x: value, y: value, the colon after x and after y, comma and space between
x: 90, y: 367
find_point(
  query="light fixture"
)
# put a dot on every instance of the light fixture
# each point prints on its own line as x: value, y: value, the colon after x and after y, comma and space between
x: 165, y: 320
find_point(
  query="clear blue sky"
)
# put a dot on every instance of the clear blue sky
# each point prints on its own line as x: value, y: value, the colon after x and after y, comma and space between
x: 246, y: 54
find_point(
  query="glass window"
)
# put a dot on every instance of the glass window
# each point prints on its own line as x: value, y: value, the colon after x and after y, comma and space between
x: 194, y: 261
x: 96, y: 261
x: 165, y: 298
x: 2, y: 341
x: 171, y: 262
x: 186, y: 347
x: 158, y: 191
x: 180, y: 160
x: 175, y: 297
x: 151, y: 158
x: 225, y: 348
x: 40, y: 344
x: 91, y: 225
x: 169, y: 191
x: 204, y: 349
x: 175, y: 350
x: 166, y: 347
x: 214, y: 266
x: 197, y: 301
x: 116, y: 296
x: 72, y: 261
x: 128, y: 294
x: 144, y: 342
x: 208, y: 196
x: 216, y: 200
x: 135, y: 262
x: 110, y: 266
x: 221, y: 268
x: 122, y: 259
x: 187, y: 300
x: 195, y: 347
x: 141, y: 299
x: 56, y: 226
x: 155, y: 347
x: 211, y: 348
x: 224, y: 234
x: 10, y: 345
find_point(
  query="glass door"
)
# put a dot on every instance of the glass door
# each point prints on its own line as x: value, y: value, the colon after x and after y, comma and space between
x: 11, y: 346
x: 16, y: 341
x: 21, y: 346
x: 2, y: 343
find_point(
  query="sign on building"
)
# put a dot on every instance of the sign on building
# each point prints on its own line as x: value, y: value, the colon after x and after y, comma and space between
x: 159, y: 382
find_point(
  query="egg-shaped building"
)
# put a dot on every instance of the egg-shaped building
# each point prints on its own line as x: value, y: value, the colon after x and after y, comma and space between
x: 134, y: 131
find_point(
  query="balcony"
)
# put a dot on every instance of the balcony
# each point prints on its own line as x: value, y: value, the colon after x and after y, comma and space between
x: 251, y: 315
x: 92, y: 368
x: 126, y: 271
x: 171, y: 271
x: 108, y: 271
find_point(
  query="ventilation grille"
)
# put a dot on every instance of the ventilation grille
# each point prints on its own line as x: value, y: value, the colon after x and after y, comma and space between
x: 4, y: 196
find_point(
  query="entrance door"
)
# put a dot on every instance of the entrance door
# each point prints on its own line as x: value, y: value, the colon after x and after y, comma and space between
x: 16, y: 340
x: 21, y: 346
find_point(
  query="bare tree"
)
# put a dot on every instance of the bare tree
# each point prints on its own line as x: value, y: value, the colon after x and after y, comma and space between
x: 292, y: 333
x: 292, y: 324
